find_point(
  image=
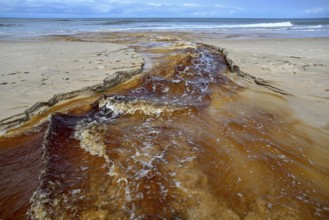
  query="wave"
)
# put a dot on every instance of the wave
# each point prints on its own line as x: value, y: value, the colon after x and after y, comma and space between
x: 259, y: 26
x: 265, y: 25
x: 205, y: 26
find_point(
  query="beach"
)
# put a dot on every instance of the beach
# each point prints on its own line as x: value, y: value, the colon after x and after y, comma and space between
x: 126, y: 124
x: 297, y: 66
x: 36, y: 71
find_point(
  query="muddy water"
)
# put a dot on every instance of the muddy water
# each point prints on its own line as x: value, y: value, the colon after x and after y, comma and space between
x: 181, y: 142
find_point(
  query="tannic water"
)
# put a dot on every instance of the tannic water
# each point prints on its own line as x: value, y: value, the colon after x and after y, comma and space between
x: 181, y: 140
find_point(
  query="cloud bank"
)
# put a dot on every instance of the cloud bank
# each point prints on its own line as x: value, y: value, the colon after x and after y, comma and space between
x: 112, y: 8
x: 152, y: 8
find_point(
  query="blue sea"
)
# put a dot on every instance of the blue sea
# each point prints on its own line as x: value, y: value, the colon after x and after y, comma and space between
x: 18, y: 28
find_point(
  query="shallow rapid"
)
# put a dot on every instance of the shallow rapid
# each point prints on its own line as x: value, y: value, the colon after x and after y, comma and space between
x: 182, y: 141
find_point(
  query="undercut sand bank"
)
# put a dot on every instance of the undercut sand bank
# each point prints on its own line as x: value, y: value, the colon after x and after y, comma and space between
x: 296, y: 67
x: 33, y: 72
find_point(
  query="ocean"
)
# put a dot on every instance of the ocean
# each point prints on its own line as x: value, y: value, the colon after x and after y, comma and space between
x: 17, y: 28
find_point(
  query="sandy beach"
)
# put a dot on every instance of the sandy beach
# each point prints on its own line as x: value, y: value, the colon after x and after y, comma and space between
x: 36, y: 71
x: 213, y: 127
x: 33, y: 72
x: 298, y: 67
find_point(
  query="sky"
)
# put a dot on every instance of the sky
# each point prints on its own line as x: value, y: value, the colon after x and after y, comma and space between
x: 168, y: 8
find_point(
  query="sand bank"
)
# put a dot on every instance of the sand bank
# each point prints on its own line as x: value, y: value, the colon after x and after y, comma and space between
x: 298, y: 67
x: 34, y: 72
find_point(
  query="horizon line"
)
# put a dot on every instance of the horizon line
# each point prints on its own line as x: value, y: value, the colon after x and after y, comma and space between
x: 134, y: 17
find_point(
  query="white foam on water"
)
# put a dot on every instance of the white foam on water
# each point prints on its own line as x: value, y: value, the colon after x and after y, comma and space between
x: 134, y: 106
x: 265, y: 25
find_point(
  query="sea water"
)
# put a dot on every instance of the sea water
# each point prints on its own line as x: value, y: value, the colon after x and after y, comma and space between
x: 11, y: 27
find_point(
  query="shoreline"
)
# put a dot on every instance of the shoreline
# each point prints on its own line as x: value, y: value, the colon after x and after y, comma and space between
x: 238, y: 54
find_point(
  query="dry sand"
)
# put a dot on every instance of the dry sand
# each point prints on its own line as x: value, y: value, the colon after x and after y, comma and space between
x: 35, y: 71
x: 299, y: 67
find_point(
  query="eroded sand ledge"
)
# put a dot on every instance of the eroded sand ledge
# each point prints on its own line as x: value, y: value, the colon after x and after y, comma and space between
x: 128, y: 67
x: 295, y: 68
x: 38, y: 75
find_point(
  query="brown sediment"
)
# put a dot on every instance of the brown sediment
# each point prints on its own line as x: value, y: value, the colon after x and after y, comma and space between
x: 184, y: 141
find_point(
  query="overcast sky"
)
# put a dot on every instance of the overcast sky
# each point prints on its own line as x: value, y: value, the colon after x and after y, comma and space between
x: 169, y: 8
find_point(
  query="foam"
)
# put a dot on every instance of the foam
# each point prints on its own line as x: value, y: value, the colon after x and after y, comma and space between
x: 264, y: 25
x: 91, y: 139
x: 206, y: 26
x: 124, y: 106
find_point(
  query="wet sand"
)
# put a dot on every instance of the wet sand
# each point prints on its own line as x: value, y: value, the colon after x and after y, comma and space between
x: 185, y: 139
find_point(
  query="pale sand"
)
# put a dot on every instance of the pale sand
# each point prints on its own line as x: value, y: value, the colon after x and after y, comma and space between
x: 34, y: 72
x: 299, y: 67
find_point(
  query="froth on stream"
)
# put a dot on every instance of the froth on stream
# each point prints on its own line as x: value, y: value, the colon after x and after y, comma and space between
x: 181, y: 141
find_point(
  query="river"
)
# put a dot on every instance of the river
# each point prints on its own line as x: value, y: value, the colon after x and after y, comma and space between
x: 182, y: 140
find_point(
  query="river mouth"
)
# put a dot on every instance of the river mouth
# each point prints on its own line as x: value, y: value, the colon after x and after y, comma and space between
x: 181, y: 141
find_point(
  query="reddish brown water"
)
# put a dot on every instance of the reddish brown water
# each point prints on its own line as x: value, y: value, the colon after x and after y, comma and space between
x: 181, y: 142
x: 20, y: 167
